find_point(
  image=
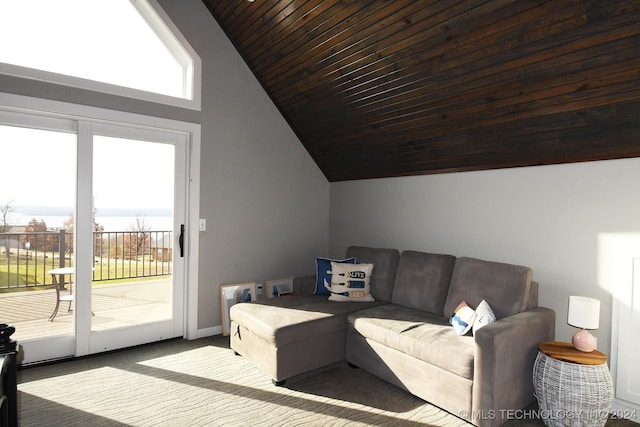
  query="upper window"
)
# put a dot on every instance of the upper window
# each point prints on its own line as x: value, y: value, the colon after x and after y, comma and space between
x: 126, y: 47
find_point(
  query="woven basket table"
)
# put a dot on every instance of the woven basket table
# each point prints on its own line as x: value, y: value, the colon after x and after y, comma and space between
x: 572, y: 393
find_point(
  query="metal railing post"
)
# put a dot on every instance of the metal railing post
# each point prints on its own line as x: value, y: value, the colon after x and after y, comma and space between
x: 62, y: 249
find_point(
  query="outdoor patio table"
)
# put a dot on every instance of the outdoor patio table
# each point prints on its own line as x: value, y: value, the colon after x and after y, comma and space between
x: 60, y: 271
x: 59, y: 285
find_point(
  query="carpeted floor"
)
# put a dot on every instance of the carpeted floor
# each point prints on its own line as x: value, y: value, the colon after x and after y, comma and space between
x: 202, y: 383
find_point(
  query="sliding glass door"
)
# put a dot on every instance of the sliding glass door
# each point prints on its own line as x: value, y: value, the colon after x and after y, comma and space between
x: 91, y: 222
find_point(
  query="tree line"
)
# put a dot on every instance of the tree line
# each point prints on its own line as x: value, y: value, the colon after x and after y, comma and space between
x: 136, y: 241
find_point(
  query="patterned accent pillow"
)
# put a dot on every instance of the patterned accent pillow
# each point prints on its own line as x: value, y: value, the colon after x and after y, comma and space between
x: 462, y: 318
x: 484, y: 316
x: 350, y: 282
x: 323, y: 273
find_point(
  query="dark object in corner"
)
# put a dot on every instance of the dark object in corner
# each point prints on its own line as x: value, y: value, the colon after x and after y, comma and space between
x: 8, y: 377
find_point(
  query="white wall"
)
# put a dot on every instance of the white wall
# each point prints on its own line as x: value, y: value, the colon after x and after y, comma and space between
x: 550, y: 218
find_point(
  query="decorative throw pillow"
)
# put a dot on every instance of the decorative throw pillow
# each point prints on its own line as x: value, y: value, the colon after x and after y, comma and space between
x: 484, y: 316
x: 350, y: 282
x: 462, y: 318
x: 323, y: 273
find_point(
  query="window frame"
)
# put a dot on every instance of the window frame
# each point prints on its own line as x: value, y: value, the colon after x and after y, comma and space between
x: 156, y: 17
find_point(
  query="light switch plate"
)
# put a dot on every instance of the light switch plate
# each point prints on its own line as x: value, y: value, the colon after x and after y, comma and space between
x: 203, y: 224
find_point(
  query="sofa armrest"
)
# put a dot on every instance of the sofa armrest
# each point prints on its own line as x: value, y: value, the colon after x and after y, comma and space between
x: 503, y: 363
x: 304, y: 285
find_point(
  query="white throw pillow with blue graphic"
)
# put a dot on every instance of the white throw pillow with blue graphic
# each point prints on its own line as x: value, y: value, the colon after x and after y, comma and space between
x: 350, y: 282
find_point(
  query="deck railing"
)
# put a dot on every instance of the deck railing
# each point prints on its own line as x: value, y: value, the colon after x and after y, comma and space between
x: 26, y: 258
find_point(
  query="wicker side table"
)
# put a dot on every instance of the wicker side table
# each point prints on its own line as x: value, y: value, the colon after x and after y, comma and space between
x: 573, y: 388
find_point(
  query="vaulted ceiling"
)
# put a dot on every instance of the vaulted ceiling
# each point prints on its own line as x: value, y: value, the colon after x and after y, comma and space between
x: 405, y: 87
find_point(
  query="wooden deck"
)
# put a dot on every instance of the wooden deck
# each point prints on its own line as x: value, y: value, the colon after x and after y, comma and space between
x: 113, y: 305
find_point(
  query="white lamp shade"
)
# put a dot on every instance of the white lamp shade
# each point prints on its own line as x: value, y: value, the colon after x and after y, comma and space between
x: 584, y: 312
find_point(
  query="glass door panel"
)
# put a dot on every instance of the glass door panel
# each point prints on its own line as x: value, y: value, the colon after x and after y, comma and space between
x: 134, y: 286
x: 133, y: 217
x: 37, y: 199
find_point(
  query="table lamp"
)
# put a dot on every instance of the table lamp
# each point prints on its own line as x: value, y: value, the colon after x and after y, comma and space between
x: 584, y: 313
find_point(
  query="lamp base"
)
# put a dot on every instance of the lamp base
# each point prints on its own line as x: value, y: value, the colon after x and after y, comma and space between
x: 584, y: 341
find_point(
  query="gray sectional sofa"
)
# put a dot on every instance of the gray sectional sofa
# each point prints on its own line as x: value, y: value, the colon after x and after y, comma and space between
x: 404, y: 336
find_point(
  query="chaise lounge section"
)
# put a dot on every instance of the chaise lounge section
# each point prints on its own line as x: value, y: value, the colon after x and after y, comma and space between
x: 405, y: 336
x: 291, y: 335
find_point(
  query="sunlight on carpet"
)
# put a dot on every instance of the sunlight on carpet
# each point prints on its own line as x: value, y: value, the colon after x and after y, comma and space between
x: 199, y: 385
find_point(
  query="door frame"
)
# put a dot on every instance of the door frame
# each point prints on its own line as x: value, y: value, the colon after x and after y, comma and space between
x: 140, y: 333
x: 86, y: 114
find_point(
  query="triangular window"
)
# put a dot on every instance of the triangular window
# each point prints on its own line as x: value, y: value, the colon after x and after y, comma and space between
x: 127, y: 47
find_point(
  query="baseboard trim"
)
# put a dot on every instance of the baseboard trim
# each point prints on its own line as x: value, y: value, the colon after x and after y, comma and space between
x: 626, y: 410
x: 209, y: 332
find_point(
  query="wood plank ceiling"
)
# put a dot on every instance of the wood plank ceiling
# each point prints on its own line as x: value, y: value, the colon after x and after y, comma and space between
x: 404, y: 87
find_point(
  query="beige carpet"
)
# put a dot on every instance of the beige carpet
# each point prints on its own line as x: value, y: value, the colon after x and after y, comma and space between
x: 202, y: 383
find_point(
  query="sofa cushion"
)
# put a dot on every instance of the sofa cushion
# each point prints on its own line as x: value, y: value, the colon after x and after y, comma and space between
x: 422, y: 281
x: 425, y: 336
x: 385, y: 265
x: 506, y: 287
x: 289, y: 319
x: 350, y: 282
